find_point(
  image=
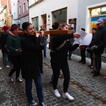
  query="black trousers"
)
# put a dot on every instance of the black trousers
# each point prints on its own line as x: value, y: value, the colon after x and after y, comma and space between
x: 97, y: 61
x: 15, y: 60
x: 82, y: 52
x: 91, y: 57
x: 73, y: 47
x: 56, y: 71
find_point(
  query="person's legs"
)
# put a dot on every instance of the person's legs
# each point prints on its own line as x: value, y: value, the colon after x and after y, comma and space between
x: 28, y: 87
x: 83, y: 56
x: 45, y: 50
x: 97, y: 63
x: 18, y: 67
x: 75, y: 46
x: 5, y: 58
x: 91, y: 56
x: 56, y: 72
x: 70, y: 53
x: 39, y: 89
x: 13, y: 61
x: 66, y: 73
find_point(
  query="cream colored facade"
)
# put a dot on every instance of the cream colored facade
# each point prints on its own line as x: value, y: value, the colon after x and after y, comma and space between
x: 39, y: 9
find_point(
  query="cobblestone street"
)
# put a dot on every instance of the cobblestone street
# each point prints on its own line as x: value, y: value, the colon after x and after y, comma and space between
x: 87, y: 90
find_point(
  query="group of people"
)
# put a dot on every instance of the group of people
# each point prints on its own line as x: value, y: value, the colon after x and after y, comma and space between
x: 23, y: 48
x: 24, y: 51
x: 94, y: 43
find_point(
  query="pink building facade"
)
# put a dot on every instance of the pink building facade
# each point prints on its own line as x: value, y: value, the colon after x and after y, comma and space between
x: 23, y: 12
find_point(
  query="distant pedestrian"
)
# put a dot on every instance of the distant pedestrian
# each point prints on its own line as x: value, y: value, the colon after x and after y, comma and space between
x: 90, y: 51
x: 14, y: 52
x: 98, y: 46
x: 4, y: 36
x: 44, y: 41
x: 82, y: 46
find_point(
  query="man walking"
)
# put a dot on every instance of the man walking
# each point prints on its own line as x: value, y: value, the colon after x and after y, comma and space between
x: 99, y: 44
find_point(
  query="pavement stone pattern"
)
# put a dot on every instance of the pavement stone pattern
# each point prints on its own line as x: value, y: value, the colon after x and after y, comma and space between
x: 87, y: 90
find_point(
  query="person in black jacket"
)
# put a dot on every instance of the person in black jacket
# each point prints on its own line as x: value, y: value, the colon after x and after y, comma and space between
x: 99, y: 44
x: 58, y: 53
x: 4, y: 35
x: 89, y: 48
x: 30, y: 63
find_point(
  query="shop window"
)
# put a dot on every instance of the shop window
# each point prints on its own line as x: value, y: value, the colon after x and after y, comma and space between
x: 103, y: 10
x: 60, y: 16
x: 35, y: 23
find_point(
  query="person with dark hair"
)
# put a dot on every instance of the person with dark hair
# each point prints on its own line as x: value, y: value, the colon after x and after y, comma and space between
x: 55, y: 25
x: 98, y: 46
x: 82, y: 46
x: 89, y: 48
x: 58, y: 53
x: 30, y: 63
x: 44, y: 40
x: 14, y: 51
x: 4, y: 35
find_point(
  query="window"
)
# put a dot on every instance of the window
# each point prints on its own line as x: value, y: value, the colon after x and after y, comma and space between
x: 19, y: 10
x: 24, y: 8
x: 100, y: 11
x: 60, y: 16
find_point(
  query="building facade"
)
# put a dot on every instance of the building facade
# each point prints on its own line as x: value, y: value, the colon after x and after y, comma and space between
x: 14, y: 11
x: 79, y: 13
x: 5, y: 13
x: 46, y: 12
x: 23, y: 11
x: 89, y: 11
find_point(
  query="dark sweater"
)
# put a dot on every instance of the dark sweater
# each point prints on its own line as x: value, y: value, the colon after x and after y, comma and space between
x: 13, y: 43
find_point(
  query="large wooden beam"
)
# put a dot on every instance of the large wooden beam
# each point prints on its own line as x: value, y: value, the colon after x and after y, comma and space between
x: 57, y: 32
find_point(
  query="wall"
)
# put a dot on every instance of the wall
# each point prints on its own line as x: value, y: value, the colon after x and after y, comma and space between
x: 14, y: 11
x: 23, y: 12
x: 83, y: 13
x: 47, y: 6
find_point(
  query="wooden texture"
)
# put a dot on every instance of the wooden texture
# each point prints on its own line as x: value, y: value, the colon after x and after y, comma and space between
x: 57, y: 32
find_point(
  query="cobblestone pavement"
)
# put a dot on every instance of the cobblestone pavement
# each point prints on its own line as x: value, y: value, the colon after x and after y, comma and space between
x: 87, y: 90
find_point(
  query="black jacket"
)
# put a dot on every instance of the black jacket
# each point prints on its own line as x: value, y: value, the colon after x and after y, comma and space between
x: 31, y: 59
x: 100, y: 37
x: 59, y: 55
x: 3, y: 39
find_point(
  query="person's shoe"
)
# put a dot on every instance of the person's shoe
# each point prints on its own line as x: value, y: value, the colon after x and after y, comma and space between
x: 11, y: 80
x: 90, y: 66
x: 70, y: 58
x: 0, y: 68
x: 43, y: 104
x: 96, y: 74
x: 92, y: 71
x: 68, y: 96
x: 19, y: 80
x: 83, y: 62
x: 80, y: 61
x: 56, y: 93
x: 51, y: 82
x: 33, y: 103
x: 7, y: 66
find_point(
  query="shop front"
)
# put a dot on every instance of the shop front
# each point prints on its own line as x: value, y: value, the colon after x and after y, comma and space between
x: 60, y: 16
x: 97, y: 13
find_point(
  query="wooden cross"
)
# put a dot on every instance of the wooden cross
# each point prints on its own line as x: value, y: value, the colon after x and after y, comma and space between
x: 57, y: 32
